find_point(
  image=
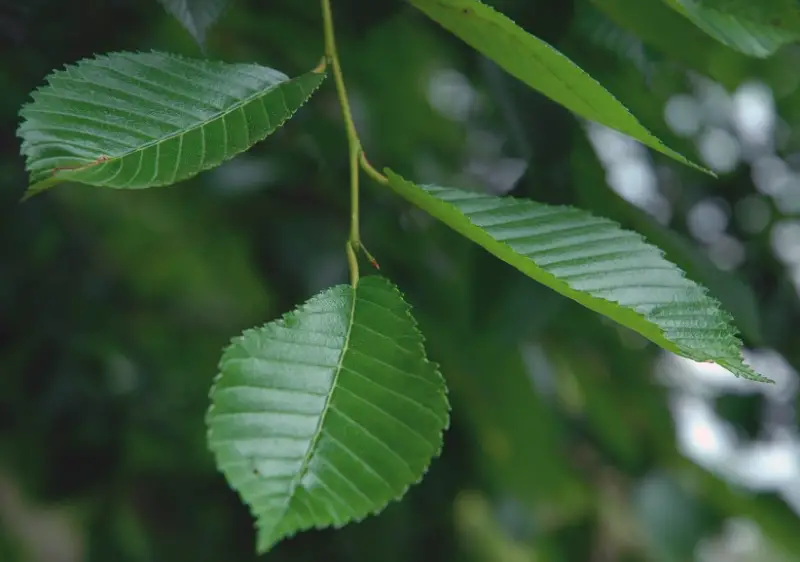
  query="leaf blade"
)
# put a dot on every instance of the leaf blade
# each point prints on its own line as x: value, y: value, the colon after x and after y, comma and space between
x: 349, y: 363
x: 594, y: 262
x: 540, y: 66
x: 136, y: 120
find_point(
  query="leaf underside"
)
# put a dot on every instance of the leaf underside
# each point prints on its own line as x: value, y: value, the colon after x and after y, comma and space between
x: 136, y: 120
x: 539, y: 65
x: 195, y: 15
x: 753, y: 27
x: 324, y: 416
x: 594, y: 262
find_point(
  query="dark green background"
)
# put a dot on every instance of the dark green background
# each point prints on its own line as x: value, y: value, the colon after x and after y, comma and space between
x: 114, y: 306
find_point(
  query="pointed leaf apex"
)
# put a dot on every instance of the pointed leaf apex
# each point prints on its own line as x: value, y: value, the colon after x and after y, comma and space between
x: 136, y: 120
x: 594, y: 262
x: 323, y: 417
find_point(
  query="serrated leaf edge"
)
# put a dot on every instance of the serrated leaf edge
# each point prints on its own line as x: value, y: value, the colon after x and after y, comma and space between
x: 743, y: 370
x: 59, y: 176
x: 667, y: 151
x: 282, y: 322
x: 435, y: 455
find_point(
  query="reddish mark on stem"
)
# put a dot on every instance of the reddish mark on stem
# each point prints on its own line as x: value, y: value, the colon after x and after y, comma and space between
x: 369, y: 256
x: 100, y: 160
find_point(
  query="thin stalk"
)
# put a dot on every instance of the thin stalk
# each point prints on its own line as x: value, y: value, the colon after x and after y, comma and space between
x: 370, y: 170
x: 353, y: 142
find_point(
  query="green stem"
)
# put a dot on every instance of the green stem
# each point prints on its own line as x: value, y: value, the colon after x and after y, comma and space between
x: 371, y: 172
x: 353, y: 142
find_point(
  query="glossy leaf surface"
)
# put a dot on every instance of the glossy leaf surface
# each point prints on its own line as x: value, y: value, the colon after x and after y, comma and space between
x: 136, y: 120
x: 594, y: 262
x: 326, y: 415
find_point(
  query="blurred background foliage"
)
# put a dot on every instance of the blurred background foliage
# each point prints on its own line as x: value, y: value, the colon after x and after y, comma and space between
x: 572, y: 440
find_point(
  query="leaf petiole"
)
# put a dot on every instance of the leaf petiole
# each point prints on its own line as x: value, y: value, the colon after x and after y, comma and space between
x: 370, y: 257
x: 370, y: 169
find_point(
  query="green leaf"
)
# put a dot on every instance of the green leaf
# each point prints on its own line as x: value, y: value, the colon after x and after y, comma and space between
x: 593, y: 192
x: 755, y: 28
x: 195, y: 15
x: 784, y: 14
x: 140, y: 120
x: 657, y: 26
x: 326, y: 415
x: 594, y: 262
x: 513, y: 422
x: 539, y: 65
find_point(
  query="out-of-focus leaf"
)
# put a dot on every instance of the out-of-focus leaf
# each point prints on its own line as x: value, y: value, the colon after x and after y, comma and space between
x: 195, y: 15
x: 481, y: 533
x: 594, y: 262
x: 774, y: 518
x: 756, y: 28
x: 324, y: 416
x: 606, y: 34
x: 135, y: 120
x: 673, y: 519
x: 387, y: 69
x: 539, y: 65
x: 173, y: 247
x: 512, y: 423
x: 596, y: 393
x: 779, y: 13
x: 658, y: 26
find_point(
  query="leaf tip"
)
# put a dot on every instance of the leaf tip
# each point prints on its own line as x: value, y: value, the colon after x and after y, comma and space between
x: 27, y: 195
x: 38, y: 187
